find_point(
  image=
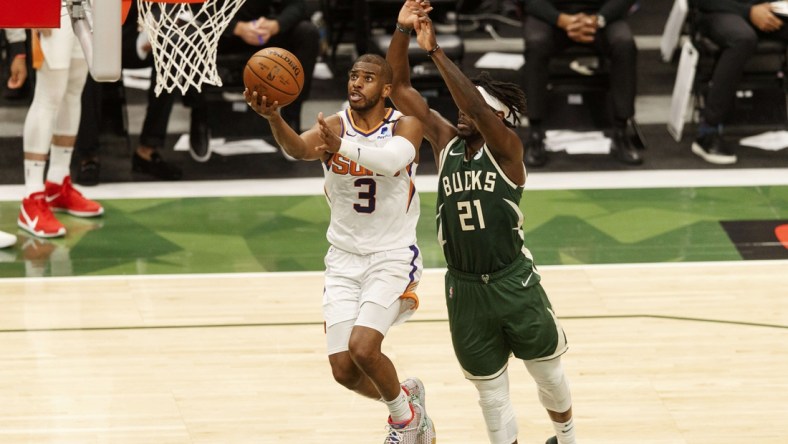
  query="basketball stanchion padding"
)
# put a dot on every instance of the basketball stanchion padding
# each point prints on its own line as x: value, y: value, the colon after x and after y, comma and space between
x: 276, y: 74
x: 183, y: 35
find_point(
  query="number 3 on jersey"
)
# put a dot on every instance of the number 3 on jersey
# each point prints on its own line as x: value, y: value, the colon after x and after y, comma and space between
x: 466, y: 212
x: 369, y: 187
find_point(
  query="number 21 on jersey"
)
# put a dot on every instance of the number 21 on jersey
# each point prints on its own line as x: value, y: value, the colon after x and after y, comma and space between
x: 471, y: 215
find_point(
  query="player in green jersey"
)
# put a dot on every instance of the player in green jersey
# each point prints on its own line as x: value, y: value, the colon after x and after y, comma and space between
x: 495, y: 300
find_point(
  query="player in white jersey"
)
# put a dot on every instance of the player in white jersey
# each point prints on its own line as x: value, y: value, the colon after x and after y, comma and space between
x: 370, y: 212
x: 369, y: 155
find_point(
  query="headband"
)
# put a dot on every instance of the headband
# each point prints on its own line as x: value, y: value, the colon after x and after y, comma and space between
x: 495, y: 104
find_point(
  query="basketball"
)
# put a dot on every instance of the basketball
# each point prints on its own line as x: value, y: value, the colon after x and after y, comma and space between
x: 275, y: 73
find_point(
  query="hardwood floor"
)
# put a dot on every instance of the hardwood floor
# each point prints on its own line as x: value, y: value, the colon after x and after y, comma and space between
x: 684, y: 353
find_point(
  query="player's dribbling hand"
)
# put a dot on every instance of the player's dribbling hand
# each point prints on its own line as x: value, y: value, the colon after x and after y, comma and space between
x: 260, y: 104
x: 330, y: 140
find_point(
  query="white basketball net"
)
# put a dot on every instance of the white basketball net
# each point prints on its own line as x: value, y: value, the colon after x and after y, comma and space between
x: 183, y: 38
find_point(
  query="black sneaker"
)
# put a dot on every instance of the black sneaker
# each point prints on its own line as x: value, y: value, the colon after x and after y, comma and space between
x: 535, y: 154
x: 622, y: 149
x: 156, y: 167
x: 199, y: 136
x: 88, y: 174
x: 711, y: 148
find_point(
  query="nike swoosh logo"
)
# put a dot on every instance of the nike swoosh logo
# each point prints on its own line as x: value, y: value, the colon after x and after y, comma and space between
x: 525, y: 282
x: 52, y: 197
x: 452, y: 153
x: 30, y: 222
x: 351, y: 135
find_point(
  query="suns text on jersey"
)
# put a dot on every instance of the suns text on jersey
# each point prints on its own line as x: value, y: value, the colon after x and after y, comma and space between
x: 468, y: 181
x: 343, y: 166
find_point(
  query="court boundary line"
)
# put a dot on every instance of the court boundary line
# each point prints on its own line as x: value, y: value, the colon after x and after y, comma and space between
x: 260, y: 274
x: 416, y: 321
x: 313, y: 186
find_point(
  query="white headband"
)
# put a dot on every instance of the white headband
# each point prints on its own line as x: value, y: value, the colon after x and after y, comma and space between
x: 495, y: 103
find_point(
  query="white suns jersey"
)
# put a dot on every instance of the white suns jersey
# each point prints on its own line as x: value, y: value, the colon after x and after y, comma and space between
x: 370, y: 212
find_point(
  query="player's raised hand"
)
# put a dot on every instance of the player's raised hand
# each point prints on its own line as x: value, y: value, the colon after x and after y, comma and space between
x: 408, y: 14
x: 260, y: 104
x: 425, y: 33
x: 330, y: 140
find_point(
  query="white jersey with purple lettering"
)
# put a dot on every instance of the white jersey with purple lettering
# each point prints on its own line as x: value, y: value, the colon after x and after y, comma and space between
x: 370, y: 212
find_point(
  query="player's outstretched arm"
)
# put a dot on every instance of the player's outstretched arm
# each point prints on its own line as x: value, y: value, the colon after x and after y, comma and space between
x: 504, y: 143
x: 302, y: 146
x: 407, y: 99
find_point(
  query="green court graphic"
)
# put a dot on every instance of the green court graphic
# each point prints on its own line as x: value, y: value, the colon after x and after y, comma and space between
x: 274, y: 233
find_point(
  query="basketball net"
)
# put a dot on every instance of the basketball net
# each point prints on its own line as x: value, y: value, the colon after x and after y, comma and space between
x: 183, y: 35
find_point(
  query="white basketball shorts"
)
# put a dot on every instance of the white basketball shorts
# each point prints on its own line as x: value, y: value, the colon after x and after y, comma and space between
x: 382, y: 278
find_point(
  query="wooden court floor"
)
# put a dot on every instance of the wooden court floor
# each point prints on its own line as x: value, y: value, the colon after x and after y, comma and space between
x: 668, y: 353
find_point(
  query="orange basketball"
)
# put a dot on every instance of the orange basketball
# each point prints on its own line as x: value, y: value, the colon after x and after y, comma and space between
x: 275, y: 73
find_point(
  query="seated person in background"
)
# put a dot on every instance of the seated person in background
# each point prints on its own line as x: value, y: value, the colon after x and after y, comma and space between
x: 275, y: 23
x: 553, y: 25
x: 146, y: 159
x: 257, y: 24
x: 735, y: 26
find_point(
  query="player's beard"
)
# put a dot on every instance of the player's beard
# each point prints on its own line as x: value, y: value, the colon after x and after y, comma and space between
x: 367, y: 104
x: 465, y: 133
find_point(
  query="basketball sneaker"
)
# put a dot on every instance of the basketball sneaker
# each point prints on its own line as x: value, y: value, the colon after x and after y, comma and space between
x: 36, y: 217
x: 419, y: 430
x: 414, y: 388
x: 6, y: 239
x: 66, y: 198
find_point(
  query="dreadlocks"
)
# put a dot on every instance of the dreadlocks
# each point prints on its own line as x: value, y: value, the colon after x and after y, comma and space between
x: 510, y: 94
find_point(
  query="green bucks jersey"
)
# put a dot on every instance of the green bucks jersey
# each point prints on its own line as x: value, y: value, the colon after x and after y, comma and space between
x: 479, y: 217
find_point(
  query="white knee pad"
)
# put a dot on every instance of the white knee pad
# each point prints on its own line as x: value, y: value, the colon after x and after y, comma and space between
x: 551, y: 381
x: 497, y: 409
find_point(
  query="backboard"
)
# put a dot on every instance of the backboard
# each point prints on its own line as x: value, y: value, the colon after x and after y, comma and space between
x: 29, y: 14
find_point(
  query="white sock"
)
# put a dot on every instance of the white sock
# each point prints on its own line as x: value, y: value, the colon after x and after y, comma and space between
x: 59, y: 163
x: 399, y: 408
x: 565, y: 432
x: 34, y: 176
